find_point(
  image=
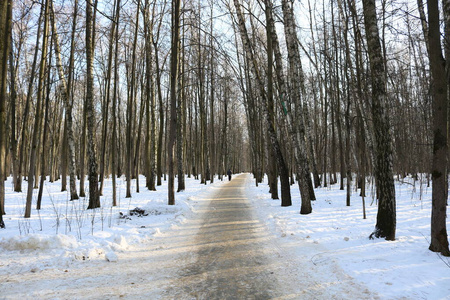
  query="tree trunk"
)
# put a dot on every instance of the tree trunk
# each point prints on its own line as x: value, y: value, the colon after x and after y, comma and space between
x: 284, y: 172
x: 161, y: 116
x: 130, y: 111
x: 173, y: 95
x: 212, y: 142
x: 272, y: 167
x: 296, y: 74
x: 180, y: 119
x: 113, y: 147
x: 439, y: 239
x: 67, y: 96
x: 36, y: 128
x: 150, y: 143
x: 94, y: 197
x: 83, y: 149
x: 22, y: 163
x: 13, y: 100
x: 44, y: 137
x: 105, y: 124
x: 386, y: 216
x: 5, y: 28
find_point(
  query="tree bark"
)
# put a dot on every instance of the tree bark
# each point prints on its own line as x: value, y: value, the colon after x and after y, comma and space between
x: 173, y: 95
x: 212, y: 142
x: 161, y: 109
x: 439, y: 239
x: 180, y: 117
x: 36, y: 128
x: 150, y: 144
x: 94, y: 197
x: 386, y: 216
x: 272, y: 167
x: 105, y: 124
x: 113, y: 147
x: 67, y: 95
x: 284, y: 172
x: 13, y: 107
x: 130, y: 111
x: 296, y: 75
x: 5, y: 28
x: 44, y: 135
x: 22, y: 163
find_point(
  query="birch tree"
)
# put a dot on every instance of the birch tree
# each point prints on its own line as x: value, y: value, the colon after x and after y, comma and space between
x: 66, y: 89
x: 296, y: 74
x: 386, y: 216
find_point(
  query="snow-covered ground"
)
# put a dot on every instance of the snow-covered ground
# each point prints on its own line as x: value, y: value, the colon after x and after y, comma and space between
x: 63, y: 233
x: 401, y: 269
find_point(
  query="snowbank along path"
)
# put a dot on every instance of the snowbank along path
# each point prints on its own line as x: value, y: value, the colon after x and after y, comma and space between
x: 221, y: 251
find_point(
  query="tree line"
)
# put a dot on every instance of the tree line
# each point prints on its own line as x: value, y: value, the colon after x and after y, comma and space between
x: 317, y: 92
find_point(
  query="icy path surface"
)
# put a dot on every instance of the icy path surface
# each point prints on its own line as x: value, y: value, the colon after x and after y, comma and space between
x: 222, y: 251
x: 234, y: 256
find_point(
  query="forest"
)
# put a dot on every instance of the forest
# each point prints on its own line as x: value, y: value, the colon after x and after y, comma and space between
x: 314, y: 93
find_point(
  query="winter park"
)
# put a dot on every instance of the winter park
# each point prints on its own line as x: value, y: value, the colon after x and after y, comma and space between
x: 224, y: 149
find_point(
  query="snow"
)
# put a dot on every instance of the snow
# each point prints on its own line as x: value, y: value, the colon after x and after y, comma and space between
x: 63, y: 236
x: 400, y: 269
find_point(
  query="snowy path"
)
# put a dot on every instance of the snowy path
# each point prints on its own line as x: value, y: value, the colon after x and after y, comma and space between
x: 222, y: 251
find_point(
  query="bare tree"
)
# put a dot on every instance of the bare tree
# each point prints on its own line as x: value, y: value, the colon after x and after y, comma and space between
x: 174, y: 61
x: 67, y: 93
x: 113, y: 147
x: 386, y: 216
x: 94, y: 197
x: 150, y: 143
x: 296, y: 75
x: 37, y: 121
x: 112, y: 36
x: 252, y: 64
x: 5, y: 27
x: 439, y: 239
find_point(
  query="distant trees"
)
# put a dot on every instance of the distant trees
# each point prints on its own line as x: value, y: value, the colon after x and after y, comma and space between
x: 344, y: 100
x: 261, y: 94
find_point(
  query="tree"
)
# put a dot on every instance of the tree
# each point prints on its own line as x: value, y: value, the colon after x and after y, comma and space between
x: 272, y: 167
x: 112, y: 36
x: 67, y: 94
x: 5, y: 27
x: 439, y: 239
x: 296, y: 74
x: 174, y: 60
x: 252, y: 64
x: 150, y: 131
x: 386, y: 216
x: 94, y: 197
x: 114, y: 108
x: 37, y: 120
x: 130, y: 106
